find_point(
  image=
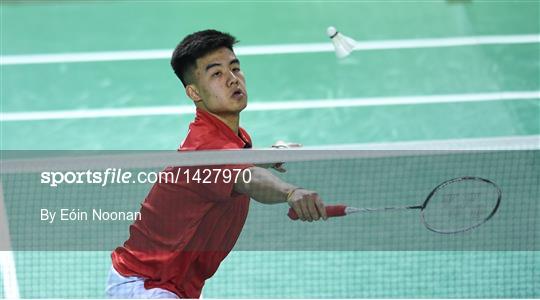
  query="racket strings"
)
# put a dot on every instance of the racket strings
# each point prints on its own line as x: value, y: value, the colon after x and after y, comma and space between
x: 461, y: 206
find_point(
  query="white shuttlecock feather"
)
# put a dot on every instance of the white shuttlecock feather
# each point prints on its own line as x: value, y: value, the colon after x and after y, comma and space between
x: 343, y: 45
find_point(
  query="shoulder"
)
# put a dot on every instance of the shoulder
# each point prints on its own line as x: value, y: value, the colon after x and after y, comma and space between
x: 205, y: 140
x: 196, y: 139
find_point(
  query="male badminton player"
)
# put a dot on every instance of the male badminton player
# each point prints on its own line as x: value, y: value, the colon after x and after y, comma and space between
x: 187, y: 228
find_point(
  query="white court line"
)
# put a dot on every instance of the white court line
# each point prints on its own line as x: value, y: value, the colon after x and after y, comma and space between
x: 7, y: 261
x: 271, y: 49
x: 268, y: 106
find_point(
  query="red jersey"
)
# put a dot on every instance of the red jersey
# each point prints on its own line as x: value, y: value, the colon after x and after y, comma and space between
x: 187, y: 228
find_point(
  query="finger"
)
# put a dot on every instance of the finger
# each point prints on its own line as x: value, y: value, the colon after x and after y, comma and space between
x: 279, y: 167
x: 279, y: 144
x: 285, y: 145
x: 305, y: 209
x: 298, y: 209
x: 280, y: 170
x: 313, y: 212
x: 320, y: 207
x: 294, y: 145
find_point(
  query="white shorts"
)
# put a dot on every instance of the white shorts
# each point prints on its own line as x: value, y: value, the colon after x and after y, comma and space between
x: 132, y: 287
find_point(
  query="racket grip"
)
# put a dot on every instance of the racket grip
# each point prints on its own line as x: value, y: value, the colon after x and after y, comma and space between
x: 331, y: 211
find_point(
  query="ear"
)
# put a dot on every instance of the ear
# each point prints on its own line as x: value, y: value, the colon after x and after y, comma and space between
x: 193, y: 93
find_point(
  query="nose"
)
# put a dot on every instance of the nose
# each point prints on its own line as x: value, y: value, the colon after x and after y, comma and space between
x: 233, y: 79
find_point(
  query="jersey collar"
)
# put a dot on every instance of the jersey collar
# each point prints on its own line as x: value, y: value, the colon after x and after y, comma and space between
x: 242, y: 138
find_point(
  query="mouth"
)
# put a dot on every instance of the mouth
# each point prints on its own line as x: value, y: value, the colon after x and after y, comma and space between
x: 238, y: 93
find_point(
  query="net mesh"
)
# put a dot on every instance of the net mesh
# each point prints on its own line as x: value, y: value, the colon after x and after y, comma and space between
x: 377, y: 254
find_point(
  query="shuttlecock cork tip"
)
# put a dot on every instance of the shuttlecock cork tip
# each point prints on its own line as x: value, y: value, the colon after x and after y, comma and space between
x: 331, y: 31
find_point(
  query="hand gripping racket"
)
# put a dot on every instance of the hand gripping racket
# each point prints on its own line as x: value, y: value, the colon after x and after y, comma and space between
x: 454, y: 206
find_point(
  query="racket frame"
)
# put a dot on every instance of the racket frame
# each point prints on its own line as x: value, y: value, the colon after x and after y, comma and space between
x: 451, y: 181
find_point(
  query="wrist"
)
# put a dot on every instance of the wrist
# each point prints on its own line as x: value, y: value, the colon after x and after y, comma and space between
x: 291, y: 192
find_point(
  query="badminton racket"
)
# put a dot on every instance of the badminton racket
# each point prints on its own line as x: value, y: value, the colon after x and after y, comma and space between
x: 454, y: 206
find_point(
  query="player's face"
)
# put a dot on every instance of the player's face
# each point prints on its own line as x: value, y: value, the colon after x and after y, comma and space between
x: 220, y: 83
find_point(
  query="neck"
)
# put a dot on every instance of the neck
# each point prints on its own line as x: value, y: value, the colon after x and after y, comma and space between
x: 231, y: 120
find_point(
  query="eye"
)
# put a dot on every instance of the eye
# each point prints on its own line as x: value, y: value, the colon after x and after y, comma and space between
x: 236, y: 69
x: 216, y: 74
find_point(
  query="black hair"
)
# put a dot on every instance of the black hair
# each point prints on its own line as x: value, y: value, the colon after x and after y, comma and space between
x: 197, y: 45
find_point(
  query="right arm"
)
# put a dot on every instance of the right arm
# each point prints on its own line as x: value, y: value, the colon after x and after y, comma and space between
x: 267, y: 188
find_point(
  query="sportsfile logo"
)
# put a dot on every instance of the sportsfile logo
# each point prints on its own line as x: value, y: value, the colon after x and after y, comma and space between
x: 109, y: 176
x: 119, y: 176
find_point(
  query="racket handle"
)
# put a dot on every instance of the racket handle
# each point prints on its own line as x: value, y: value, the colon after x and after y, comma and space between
x: 331, y: 211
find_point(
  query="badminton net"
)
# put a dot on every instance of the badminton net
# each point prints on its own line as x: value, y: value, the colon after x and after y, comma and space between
x: 384, y: 254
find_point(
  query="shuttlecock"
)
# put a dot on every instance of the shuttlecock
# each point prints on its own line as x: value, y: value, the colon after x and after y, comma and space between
x: 343, y: 45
